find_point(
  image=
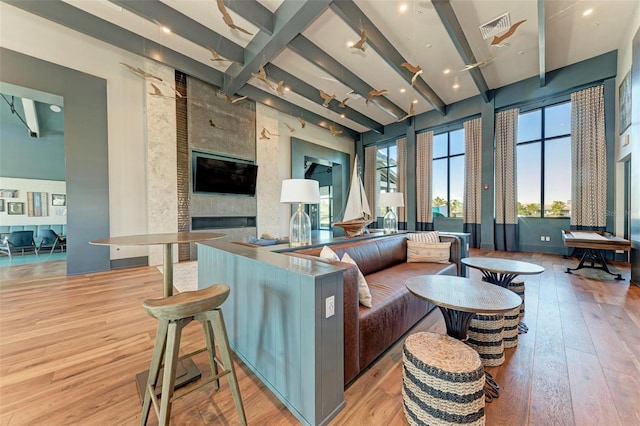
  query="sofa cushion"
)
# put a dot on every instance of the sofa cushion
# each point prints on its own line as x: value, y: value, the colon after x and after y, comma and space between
x: 425, y: 237
x: 418, y: 251
x: 364, y: 295
x: 327, y: 253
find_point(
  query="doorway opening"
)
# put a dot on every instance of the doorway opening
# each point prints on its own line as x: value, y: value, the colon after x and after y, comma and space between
x: 322, y: 171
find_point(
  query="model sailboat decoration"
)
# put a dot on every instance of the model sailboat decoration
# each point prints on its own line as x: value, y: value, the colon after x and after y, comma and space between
x: 357, y: 214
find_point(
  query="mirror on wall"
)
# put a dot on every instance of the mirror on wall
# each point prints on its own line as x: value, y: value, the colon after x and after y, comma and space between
x: 33, y: 169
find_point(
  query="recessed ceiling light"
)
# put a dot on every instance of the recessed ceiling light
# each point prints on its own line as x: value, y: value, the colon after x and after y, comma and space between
x: 403, y: 90
x: 415, y: 101
x: 350, y: 44
x: 455, y: 86
x: 55, y: 108
x: 403, y: 7
x: 342, y: 115
x: 428, y: 45
x: 286, y: 89
x: 166, y: 30
x: 587, y: 12
x: 446, y: 71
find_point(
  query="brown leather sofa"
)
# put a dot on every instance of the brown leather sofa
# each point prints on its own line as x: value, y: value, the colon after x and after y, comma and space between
x: 368, y: 332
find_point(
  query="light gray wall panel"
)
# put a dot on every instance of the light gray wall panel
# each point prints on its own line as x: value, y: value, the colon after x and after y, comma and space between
x: 86, y: 143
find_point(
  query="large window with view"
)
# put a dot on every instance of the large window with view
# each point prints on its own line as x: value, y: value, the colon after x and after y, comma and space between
x: 387, y: 169
x: 448, y: 174
x: 544, y: 161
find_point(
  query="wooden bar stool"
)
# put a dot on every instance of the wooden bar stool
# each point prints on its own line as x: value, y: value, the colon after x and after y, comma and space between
x: 174, y: 313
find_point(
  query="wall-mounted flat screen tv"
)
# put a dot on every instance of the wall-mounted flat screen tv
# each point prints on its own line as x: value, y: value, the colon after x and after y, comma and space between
x: 213, y: 175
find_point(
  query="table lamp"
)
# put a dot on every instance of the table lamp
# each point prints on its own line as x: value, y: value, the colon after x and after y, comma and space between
x: 301, y: 191
x: 391, y: 200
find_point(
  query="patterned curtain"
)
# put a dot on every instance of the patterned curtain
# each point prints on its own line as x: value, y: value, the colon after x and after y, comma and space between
x: 472, y: 180
x: 402, y: 181
x: 588, y: 160
x: 424, y: 167
x: 506, y: 228
x: 371, y: 183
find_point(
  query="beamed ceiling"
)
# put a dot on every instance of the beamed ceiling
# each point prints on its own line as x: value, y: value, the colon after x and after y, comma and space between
x: 305, y: 44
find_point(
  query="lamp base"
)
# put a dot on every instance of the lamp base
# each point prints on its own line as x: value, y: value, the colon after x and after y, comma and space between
x: 390, y: 223
x: 300, y: 228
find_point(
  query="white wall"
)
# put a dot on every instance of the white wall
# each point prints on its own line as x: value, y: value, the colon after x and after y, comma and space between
x: 43, y: 39
x: 33, y: 185
x: 622, y: 150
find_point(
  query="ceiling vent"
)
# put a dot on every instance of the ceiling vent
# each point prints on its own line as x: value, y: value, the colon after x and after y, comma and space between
x: 495, y: 26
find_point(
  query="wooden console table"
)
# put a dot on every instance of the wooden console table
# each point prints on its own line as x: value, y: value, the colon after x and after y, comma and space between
x: 593, y: 243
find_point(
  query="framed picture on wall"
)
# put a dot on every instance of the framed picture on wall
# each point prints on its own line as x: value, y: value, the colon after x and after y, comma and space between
x: 1, y: 205
x: 58, y: 200
x: 624, y: 93
x: 15, y: 208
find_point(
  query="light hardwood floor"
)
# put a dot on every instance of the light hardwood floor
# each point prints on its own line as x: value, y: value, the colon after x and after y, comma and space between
x: 71, y: 346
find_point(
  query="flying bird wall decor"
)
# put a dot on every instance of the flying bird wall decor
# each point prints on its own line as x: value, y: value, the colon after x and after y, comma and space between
x: 264, y: 134
x: 477, y: 64
x: 497, y: 40
x: 280, y: 88
x: 343, y: 103
x: 232, y: 100
x: 291, y: 129
x: 228, y: 19
x: 262, y: 76
x: 141, y: 73
x: 159, y: 94
x: 375, y: 93
x: 156, y: 91
x: 416, y: 70
x: 333, y: 130
x: 326, y: 98
x: 411, y: 113
x: 217, y: 57
x: 302, y: 122
x: 360, y: 44
x: 212, y: 124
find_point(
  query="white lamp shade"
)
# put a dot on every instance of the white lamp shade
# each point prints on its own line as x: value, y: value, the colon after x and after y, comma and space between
x: 391, y: 199
x: 306, y: 191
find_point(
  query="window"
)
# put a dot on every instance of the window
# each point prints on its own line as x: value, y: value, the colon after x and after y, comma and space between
x: 544, y: 161
x: 448, y: 174
x: 387, y: 169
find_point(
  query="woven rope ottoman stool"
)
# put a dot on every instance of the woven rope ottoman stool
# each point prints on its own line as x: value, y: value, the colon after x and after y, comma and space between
x: 510, y: 331
x: 517, y: 286
x: 485, y: 336
x: 442, y: 381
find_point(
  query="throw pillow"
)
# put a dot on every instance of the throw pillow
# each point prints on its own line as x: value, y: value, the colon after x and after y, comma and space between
x: 327, y: 253
x: 418, y: 251
x: 364, y: 295
x: 425, y: 237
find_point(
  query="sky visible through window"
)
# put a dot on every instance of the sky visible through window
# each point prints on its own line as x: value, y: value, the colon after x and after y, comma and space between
x: 555, y: 135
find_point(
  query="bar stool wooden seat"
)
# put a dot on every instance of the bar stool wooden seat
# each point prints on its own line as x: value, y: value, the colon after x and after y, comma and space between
x: 174, y: 313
